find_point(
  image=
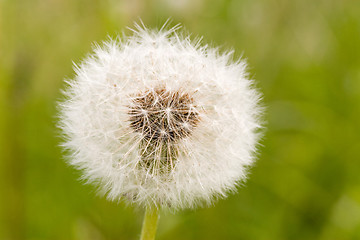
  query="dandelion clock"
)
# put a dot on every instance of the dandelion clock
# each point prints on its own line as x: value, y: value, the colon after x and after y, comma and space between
x: 158, y: 120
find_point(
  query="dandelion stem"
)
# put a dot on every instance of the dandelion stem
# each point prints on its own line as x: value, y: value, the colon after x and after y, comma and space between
x: 150, y: 223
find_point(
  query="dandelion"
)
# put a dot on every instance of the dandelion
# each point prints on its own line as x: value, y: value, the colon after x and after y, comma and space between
x: 158, y: 120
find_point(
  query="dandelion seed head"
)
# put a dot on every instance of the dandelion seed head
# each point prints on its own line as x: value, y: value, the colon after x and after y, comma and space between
x: 155, y: 118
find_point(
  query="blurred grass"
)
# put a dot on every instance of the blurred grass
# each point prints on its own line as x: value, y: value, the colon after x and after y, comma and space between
x: 305, y: 56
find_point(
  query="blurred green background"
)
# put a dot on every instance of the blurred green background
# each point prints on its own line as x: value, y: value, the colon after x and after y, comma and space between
x: 305, y: 55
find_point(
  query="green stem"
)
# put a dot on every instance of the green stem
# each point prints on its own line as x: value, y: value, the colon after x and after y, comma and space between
x: 150, y: 223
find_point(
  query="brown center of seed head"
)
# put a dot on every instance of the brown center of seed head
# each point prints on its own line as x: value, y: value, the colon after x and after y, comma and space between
x: 161, y: 114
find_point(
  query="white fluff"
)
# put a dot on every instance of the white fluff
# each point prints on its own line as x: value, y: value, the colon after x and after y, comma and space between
x: 211, y: 161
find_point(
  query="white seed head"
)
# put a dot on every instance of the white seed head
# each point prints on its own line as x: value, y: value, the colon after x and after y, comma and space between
x: 155, y: 118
